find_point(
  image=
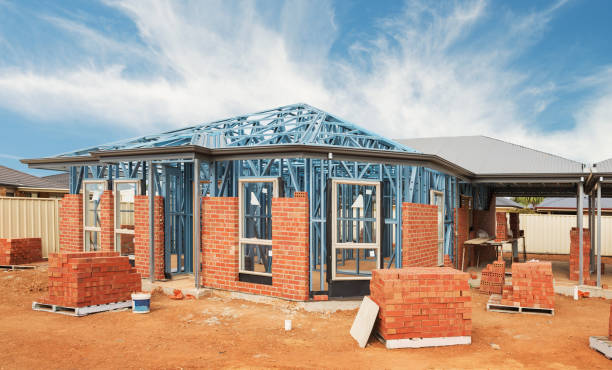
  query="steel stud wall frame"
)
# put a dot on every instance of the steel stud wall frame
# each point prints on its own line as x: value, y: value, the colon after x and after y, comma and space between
x: 290, y: 125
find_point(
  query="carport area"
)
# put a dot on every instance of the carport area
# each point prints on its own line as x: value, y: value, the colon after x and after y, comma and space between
x: 510, y: 170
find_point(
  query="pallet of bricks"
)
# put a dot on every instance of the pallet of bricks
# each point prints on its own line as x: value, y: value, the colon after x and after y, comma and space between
x: 90, y: 278
x: 602, y: 343
x: 532, y: 286
x: 20, y: 251
x: 492, y: 278
x: 422, y: 307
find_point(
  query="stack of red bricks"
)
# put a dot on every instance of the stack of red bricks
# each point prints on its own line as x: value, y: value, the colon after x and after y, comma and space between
x: 492, y: 278
x: 20, y: 251
x: 501, y: 226
x: 422, y: 302
x: 90, y: 278
x: 610, y: 323
x: 574, y: 262
x: 532, y: 286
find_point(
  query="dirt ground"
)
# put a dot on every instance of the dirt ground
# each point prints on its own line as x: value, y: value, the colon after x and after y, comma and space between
x: 220, y: 332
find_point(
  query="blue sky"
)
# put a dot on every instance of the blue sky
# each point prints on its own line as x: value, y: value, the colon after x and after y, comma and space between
x: 80, y: 73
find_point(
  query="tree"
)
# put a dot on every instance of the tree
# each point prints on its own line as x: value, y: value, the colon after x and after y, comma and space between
x: 529, y: 201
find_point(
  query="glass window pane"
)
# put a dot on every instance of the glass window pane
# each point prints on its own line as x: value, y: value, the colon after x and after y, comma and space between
x: 125, y: 244
x: 353, y: 262
x: 92, y: 240
x: 125, y: 192
x: 356, y: 213
x: 257, y: 208
x: 93, y: 192
x: 257, y: 258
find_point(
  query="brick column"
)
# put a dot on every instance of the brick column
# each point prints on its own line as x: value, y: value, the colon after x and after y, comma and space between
x: 462, y: 228
x: 290, y: 246
x: 141, y: 237
x: 501, y: 226
x: 107, y: 222
x: 515, y: 225
x: 71, y: 223
x: 574, y: 258
x: 419, y: 235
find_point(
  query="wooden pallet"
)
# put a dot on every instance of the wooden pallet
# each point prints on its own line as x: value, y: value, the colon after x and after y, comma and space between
x: 602, y: 345
x: 17, y: 267
x: 80, y: 311
x: 494, y: 305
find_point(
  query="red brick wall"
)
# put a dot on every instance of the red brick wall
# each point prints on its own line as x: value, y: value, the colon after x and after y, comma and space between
x: 90, y: 278
x: 20, y: 251
x: 107, y: 224
x: 462, y: 224
x: 501, y: 226
x: 290, y: 247
x: 574, y: 259
x: 141, y: 237
x: 422, y: 302
x: 419, y: 235
x: 71, y: 223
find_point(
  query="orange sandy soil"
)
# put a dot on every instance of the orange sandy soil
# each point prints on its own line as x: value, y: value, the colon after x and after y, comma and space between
x: 220, y: 332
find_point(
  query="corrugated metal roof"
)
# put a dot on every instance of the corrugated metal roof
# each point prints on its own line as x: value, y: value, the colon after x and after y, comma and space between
x: 9, y: 176
x: 484, y: 155
x: 570, y: 203
x: 505, y: 202
x: 604, y: 166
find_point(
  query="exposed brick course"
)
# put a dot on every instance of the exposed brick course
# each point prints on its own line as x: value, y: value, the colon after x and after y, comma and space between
x: 71, y: 223
x: 422, y: 302
x: 18, y: 251
x: 290, y: 247
x: 90, y: 278
x: 419, y: 235
x: 141, y: 236
x: 532, y: 286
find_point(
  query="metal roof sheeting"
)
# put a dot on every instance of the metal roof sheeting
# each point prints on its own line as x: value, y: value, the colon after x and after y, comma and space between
x: 603, y: 166
x: 484, y: 155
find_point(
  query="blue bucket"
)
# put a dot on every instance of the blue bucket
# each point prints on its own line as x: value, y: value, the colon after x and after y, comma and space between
x: 141, y: 302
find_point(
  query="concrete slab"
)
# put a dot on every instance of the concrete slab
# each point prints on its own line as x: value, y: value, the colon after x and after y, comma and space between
x: 364, y: 321
x: 594, y: 292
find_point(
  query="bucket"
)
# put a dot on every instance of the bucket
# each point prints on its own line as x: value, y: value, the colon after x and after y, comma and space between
x: 141, y: 302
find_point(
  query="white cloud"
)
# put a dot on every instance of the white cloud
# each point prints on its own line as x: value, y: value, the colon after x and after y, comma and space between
x: 415, y: 77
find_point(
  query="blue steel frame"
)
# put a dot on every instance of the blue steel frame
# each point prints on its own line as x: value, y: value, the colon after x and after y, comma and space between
x: 294, y: 124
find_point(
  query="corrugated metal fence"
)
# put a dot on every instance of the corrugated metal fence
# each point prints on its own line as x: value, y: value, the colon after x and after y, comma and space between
x: 31, y: 218
x: 550, y: 233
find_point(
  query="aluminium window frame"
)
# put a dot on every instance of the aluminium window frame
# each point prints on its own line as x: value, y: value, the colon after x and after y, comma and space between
x: 351, y: 245
x: 242, y: 240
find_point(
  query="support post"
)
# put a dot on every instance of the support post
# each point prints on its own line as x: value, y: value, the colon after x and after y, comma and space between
x: 197, y: 224
x: 151, y: 187
x: 599, y: 234
x: 579, y: 215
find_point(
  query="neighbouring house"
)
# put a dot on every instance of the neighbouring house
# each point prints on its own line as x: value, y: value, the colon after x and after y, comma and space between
x: 293, y: 202
x: 567, y: 206
x: 15, y: 183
